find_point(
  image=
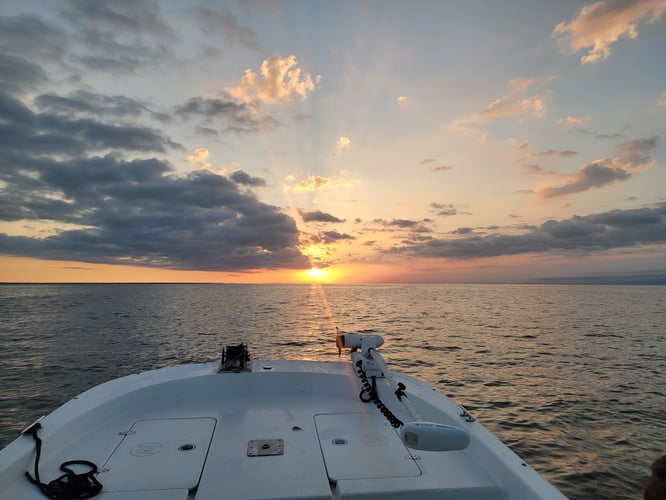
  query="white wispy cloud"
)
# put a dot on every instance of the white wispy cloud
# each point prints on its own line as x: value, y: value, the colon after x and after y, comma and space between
x: 516, y: 103
x: 601, y: 24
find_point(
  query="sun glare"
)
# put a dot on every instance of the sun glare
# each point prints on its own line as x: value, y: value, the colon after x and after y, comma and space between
x: 316, y: 274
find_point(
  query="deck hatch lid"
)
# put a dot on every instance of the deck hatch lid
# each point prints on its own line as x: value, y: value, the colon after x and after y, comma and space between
x: 362, y: 446
x: 159, y: 454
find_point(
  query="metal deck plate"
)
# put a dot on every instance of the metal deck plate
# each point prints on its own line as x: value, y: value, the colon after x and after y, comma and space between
x: 265, y: 447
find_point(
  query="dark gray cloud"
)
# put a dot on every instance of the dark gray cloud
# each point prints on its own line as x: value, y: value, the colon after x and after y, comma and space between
x: 237, y: 116
x: 628, y: 157
x: 443, y: 209
x: 94, y: 104
x: 126, y: 16
x: 400, y: 223
x: 589, y: 234
x: 138, y: 212
x: 17, y: 74
x: 27, y: 133
x: 411, y: 227
x: 118, y: 37
x: 211, y: 108
x: 596, y: 174
x: 319, y: 216
x: 27, y: 36
x: 241, y: 177
x: 330, y: 237
x: 76, y: 163
x: 462, y: 230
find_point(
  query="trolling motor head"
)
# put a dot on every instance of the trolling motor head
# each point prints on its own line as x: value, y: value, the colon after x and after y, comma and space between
x: 354, y: 341
x: 417, y: 435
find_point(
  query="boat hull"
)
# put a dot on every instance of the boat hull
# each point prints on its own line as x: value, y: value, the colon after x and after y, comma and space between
x: 282, y: 429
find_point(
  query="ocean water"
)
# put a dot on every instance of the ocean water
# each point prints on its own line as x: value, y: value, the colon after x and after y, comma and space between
x: 572, y: 378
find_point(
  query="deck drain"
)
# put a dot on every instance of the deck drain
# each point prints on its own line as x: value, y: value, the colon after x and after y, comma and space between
x: 339, y: 441
x: 186, y: 447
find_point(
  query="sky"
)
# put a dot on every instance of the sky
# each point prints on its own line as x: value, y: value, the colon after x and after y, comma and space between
x: 251, y: 141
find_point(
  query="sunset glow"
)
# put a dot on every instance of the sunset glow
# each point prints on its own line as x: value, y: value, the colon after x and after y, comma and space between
x: 316, y: 274
x: 270, y: 142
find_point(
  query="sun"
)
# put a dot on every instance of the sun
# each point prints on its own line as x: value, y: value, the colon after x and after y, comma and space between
x: 316, y: 274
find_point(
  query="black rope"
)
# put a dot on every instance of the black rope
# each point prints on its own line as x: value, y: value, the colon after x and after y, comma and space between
x: 371, y: 391
x: 69, y: 486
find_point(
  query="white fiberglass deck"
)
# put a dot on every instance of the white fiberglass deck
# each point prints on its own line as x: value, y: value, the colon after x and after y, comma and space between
x: 285, y: 429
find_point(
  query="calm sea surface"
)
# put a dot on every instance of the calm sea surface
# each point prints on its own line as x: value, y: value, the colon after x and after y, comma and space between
x: 572, y: 378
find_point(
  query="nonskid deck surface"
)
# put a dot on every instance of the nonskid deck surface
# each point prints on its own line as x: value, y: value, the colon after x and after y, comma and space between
x: 285, y: 429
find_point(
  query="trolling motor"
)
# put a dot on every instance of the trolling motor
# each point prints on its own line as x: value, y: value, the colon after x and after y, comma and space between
x: 370, y: 365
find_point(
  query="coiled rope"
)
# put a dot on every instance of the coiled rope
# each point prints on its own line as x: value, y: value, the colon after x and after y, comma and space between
x: 69, y: 486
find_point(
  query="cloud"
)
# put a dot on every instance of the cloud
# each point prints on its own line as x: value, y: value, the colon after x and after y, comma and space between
x: 435, y: 168
x: 554, y: 153
x: 343, y: 144
x: 443, y: 209
x: 598, y: 135
x: 29, y: 37
x: 280, y: 80
x: 601, y: 24
x: 241, y: 177
x: 200, y: 158
x: 115, y: 37
x: 129, y: 16
x: 401, y: 99
x: 590, y: 234
x: 84, y: 103
x: 533, y: 168
x: 631, y: 156
x: 139, y: 212
x: 239, y: 117
x: 595, y: 174
x: 414, y: 226
x: 17, y: 75
x: 514, y: 104
x: 73, y: 164
x: 214, y: 23
x: 24, y: 131
x: 330, y: 237
x: 462, y: 230
x: 571, y: 120
x: 661, y: 101
x: 307, y: 183
x: 505, y: 106
x: 637, y: 153
x: 318, y: 216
